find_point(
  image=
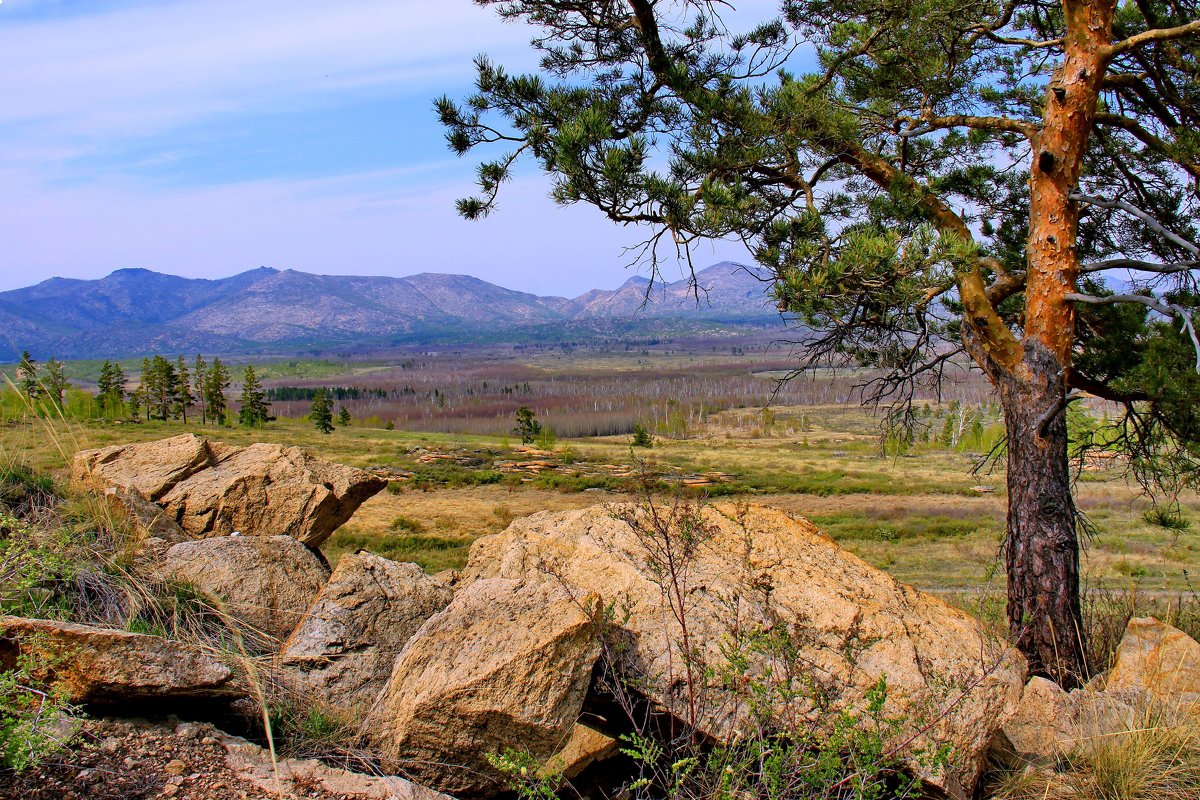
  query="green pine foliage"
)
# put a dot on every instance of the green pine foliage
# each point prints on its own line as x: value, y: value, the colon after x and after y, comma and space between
x: 527, y: 427
x: 321, y: 413
x: 254, y: 411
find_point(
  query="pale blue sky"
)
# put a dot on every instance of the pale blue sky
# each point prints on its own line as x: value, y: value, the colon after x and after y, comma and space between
x: 206, y: 137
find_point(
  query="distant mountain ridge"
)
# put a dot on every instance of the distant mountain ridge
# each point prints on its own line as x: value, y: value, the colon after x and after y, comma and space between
x: 136, y: 311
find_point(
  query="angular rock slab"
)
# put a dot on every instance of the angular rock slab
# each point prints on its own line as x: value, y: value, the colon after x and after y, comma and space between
x: 760, y: 569
x: 97, y: 665
x: 267, y: 582
x: 149, y: 468
x: 344, y: 649
x: 505, y: 665
x: 213, y: 489
x: 1158, y: 659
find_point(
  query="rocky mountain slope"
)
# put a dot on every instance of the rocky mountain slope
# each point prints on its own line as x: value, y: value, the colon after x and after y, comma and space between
x: 137, y: 311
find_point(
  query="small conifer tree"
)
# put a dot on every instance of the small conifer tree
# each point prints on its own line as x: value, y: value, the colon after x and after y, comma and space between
x: 56, y: 382
x: 255, y: 409
x: 27, y: 376
x: 214, y: 392
x: 321, y: 414
x: 184, y: 399
x: 527, y: 426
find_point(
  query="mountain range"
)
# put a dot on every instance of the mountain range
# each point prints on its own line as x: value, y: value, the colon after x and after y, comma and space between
x: 138, y: 311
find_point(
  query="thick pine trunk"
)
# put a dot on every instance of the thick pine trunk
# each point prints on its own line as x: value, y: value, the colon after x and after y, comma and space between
x: 1042, y: 546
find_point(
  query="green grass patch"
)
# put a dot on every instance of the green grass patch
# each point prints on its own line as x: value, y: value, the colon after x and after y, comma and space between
x: 431, y: 553
x: 858, y: 526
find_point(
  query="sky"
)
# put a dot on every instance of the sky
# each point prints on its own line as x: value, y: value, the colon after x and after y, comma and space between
x: 206, y: 137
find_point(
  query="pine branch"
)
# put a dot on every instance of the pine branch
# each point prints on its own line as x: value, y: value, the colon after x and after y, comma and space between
x: 1155, y: 35
x: 1144, y: 216
x: 1184, y: 315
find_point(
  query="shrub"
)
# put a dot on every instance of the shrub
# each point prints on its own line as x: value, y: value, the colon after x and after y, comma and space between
x: 407, y: 524
x: 642, y: 436
x: 1167, y: 517
x: 31, y: 719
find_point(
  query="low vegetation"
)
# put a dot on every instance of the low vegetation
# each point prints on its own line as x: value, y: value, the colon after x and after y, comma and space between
x: 913, y: 508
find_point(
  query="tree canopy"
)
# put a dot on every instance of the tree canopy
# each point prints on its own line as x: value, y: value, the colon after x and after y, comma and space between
x: 1008, y: 181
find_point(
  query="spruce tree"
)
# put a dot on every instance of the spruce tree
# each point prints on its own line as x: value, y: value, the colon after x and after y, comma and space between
x: 254, y: 408
x: 321, y: 414
x: 343, y: 416
x: 214, y: 392
x: 1010, y: 184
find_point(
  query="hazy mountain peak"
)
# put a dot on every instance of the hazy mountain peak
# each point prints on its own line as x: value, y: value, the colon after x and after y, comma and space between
x: 135, y: 309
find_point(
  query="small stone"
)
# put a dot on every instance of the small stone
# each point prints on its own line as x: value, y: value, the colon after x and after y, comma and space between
x: 175, y: 767
x: 170, y: 790
x: 111, y: 744
x: 187, y: 730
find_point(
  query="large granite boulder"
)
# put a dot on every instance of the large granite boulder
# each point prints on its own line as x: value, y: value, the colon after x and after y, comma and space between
x: 266, y: 582
x: 213, y: 489
x: 1158, y: 659
x: 98, y: 665
x: 744, y: 577
x: 1155, y: 681
x: 505, y: 666
x: 343, y: 650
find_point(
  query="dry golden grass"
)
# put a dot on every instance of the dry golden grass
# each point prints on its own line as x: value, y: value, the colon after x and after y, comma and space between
x: 1155, y: 757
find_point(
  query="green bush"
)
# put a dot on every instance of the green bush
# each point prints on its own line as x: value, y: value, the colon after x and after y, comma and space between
x: 407, y: 524
x: 33, y: 721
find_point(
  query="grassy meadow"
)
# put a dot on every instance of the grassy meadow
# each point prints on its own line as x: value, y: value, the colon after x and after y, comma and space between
x: 917, y: 510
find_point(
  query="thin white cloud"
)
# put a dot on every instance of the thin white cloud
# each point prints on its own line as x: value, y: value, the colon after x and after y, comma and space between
x: 142, y: 68
x: 76, y: 83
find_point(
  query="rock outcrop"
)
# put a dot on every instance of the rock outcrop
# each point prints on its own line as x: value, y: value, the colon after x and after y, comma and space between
x: 97, y: 665
x: 266, y: 582
x: 150, y: 520
x: 741, y: 573
x: 343, y: 650
x: 505, y: 665
x: 1155, y: 677
x: 213, y: 489
x: 1158, y: 659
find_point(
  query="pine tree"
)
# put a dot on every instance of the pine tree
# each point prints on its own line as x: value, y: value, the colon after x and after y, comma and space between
x: 111, y: 388
x: 56, y: 382
x: 254, y: 408
x: 946, y: 179
x: 343, y: 416
x: 162, y: 387
x: 199, y: 378
x: 27, y: 377
x: 184, y: 399
x: 321, y: 414
x: 214, y: 392
x: 527, y: 426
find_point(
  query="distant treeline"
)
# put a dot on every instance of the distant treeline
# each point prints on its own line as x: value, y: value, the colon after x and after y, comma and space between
x: 166, y: 389
x: 339, y: 393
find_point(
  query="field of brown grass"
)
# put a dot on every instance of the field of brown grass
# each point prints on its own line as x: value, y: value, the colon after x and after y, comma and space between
x: 921, y: 515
